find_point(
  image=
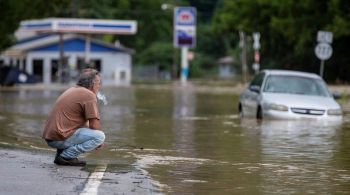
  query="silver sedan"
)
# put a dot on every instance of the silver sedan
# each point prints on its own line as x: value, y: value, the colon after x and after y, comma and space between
x: 282, y: 94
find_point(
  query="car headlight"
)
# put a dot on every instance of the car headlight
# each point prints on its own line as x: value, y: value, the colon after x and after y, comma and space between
x: 278, y: 107
x: 334, y: 112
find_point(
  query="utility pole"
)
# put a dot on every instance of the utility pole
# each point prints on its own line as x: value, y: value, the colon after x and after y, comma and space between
x: 243, y: 46
x: 164, y: 7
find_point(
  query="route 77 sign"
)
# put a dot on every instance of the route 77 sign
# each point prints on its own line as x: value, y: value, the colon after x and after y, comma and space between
x: 323, y: 51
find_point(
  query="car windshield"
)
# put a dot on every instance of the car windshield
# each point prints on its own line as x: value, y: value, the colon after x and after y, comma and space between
x: 295, y: 85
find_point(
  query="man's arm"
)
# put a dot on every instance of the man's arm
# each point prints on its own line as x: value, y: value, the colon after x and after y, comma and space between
x: 94, y: 123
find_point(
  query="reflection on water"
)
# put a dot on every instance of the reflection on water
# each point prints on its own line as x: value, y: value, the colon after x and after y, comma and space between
x: 299, y: 154
x: 183, y: 111
x: 191, y: 142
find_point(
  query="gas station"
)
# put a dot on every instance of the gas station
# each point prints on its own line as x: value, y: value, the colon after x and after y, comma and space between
x: 55, y: 49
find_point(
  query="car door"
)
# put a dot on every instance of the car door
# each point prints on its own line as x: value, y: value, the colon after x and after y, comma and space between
x: 251, y: 96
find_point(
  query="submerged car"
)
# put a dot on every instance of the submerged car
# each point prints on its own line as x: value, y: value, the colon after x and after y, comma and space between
x: 283, y: 94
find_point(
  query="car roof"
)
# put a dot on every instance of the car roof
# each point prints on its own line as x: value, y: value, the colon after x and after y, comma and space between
x: 290, y: 73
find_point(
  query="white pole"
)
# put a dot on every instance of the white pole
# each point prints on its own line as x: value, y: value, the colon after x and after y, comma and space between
x: 47, y: 71
x: 87, y: 48
x: 61, y: 60
x: 184, y: 65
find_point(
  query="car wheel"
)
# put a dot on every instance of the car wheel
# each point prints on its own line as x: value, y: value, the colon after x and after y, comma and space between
x: 259, y: 113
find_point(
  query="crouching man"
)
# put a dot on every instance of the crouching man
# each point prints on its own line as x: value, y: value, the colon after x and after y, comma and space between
x: 73, y: 126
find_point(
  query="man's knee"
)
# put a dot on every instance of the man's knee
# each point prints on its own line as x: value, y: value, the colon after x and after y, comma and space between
x: 100, y: 137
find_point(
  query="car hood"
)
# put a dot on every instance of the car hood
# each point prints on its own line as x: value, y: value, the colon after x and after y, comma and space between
x: 301, y: 101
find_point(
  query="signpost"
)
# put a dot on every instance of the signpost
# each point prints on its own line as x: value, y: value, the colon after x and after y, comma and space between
x: 256, y: 46
x: 184, y: 36
x: 323, y: 49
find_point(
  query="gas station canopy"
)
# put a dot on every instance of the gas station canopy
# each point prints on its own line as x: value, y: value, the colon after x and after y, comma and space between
x: 76, y: 25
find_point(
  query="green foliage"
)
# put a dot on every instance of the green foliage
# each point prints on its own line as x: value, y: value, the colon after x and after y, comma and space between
x: 13, y: 11
x: 159, y: 53
x: 209, y: 42
x: 153, y: 24
x: 288, y: 29
x: 202, y: 65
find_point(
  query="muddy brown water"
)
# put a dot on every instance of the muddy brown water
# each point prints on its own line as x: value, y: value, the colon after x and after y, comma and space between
x: 193, y: 142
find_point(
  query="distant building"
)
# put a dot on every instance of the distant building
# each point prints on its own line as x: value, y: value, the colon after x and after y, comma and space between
x: 39, y: 55
x: 226, y: 68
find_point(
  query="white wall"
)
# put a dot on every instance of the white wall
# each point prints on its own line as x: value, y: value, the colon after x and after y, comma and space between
x: 112, y: 64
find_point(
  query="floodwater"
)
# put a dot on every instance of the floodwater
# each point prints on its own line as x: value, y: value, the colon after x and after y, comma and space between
x: 193, y: 142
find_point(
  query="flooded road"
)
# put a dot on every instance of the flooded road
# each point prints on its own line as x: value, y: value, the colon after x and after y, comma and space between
x: 193, y: 142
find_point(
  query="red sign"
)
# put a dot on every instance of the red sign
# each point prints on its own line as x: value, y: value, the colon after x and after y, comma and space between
x: 257, y: 56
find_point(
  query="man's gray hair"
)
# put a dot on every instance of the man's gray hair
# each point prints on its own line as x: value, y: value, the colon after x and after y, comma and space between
x: 87, y: 77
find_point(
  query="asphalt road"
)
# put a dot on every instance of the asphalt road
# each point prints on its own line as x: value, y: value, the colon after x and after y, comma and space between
x: 33, y: 172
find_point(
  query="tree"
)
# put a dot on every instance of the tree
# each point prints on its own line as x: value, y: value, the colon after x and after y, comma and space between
x: 14, y: 11
x: 288, y: 29
x: 159, y: 53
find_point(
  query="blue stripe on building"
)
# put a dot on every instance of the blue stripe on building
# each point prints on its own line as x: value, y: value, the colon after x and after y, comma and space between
x: 112, y: 26
x: 77, y: 45
x: 36, y: 25
x: 33, y: 38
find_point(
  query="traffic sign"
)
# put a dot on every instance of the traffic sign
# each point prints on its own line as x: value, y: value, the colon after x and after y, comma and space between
x: 323, y: 51
x: 256, y: 37
x: 257, y: 56
x: 324, y: 37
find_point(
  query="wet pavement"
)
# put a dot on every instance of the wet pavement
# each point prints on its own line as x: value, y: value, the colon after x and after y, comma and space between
x: 173, y: 140
x: 32, y: 172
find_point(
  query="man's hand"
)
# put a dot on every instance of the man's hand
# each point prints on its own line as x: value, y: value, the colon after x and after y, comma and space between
x: 94, y: 123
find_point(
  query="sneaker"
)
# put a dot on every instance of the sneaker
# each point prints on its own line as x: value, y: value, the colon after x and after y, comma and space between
x: 59, y: 160
x: 59, y: 151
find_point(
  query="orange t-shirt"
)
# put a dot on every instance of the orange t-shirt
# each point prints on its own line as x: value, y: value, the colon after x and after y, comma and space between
x: 71, y: 111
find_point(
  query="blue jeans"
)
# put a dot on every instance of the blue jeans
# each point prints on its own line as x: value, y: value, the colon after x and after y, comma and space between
x: 83, y: 140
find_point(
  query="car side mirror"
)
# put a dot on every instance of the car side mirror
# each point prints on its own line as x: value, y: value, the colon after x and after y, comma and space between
x: 336, y: 95
x: 254, y: 88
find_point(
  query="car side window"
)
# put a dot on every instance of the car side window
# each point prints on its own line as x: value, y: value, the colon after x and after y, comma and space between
x: 257, y: 81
